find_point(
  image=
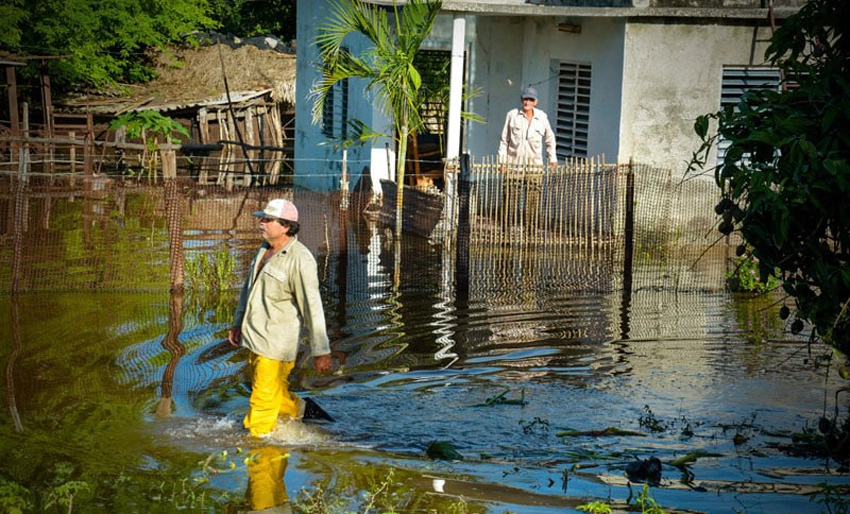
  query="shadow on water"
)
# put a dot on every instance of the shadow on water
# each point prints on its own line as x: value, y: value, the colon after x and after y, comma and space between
x: 114, y: 382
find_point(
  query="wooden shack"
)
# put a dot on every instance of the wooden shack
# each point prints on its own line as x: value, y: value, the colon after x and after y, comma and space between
x: 237, y: 104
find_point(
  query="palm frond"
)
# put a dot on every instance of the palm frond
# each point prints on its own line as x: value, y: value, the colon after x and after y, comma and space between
x: 417, y: 20
x: 392, y: 80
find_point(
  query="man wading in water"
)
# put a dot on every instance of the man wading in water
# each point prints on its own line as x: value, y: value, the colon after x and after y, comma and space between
x: 279, y: 299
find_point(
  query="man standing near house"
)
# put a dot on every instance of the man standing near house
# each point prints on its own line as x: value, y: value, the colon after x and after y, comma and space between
x: 521, y: 158
x: 526, y: 129
x: 280, y: 298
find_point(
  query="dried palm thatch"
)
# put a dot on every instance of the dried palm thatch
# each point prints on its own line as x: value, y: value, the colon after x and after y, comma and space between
x: 197, y: 73
x: 192, y: 75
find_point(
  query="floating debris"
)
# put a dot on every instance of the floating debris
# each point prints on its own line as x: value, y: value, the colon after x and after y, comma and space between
x: 442, y: 450
x: 500, y: 399
x: 610, y: 431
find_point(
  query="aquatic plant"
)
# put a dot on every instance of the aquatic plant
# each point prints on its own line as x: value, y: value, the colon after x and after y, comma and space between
x: 378, y: 490
x: 647, y: 503
x: 833, y: 498
x: 442, y: 450
x: 746, y: 277
x: 596, y: 507
x: 650, y: 422
x: 644, y: 501
x: 211, y: 272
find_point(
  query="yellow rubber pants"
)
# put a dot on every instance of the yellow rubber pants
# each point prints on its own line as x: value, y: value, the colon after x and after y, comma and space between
x: 270, y: 394
x: 266, y: 485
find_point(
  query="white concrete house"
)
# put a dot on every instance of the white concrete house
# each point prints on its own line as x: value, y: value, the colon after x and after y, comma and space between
x: 621, y: 78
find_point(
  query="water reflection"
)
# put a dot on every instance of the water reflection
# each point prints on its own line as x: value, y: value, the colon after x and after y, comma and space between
x: 11, y: 363
x: 414, y: 363
x: 171, y: 342
x: 266, y: 486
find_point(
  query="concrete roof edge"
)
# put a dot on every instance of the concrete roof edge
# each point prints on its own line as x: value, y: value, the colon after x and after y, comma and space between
x: 494, y: 9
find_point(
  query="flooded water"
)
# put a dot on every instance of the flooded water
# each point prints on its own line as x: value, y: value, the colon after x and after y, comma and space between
x: 137, y: 394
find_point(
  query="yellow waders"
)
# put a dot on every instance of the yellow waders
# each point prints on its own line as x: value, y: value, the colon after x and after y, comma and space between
x: 266, y: 485
x: 270, y: 395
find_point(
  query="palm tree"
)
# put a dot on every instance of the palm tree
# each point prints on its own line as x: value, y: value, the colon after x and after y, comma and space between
x: 387, y: 66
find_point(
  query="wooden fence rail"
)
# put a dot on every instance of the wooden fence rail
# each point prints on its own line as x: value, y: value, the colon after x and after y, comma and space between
x: 579, y: 202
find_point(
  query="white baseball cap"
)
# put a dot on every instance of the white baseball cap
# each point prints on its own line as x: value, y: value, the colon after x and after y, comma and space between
x: 280, y: 209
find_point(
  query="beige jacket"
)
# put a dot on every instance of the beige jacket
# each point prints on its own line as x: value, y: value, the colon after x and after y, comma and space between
x: 281, y: 303
x: 522, y: 141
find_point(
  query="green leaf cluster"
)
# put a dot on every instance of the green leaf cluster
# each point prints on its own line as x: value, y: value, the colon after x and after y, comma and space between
x: 252, y: 18
x: 387, y: 65
x: 746, y: 276
x: 100, y: 42
x: 785, y: 178
x: 140, y: 124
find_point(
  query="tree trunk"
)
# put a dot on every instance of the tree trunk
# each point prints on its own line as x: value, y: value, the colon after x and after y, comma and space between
x: 400, y: 162
x: 399, y: 203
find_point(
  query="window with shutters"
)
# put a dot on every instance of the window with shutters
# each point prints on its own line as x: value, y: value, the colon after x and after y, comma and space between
x: 573, y: 110
x: 737, y: 80
x: 335, y: 111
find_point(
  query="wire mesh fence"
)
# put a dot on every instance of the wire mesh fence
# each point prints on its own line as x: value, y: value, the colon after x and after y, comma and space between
x: 557, y: 227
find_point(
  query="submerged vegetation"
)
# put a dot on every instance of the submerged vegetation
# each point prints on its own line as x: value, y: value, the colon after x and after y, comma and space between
x: 746, y: 276
x: 213, y: 273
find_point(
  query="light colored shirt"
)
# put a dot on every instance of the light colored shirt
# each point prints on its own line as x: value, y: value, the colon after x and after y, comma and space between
x: 279, y: 302
x: 522, y: 140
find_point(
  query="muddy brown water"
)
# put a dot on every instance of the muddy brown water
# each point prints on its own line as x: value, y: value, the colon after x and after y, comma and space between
x: 133, y: 387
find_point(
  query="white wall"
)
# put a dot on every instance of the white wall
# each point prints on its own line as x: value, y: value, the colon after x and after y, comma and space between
x: 509, y: 53
x: 673, y: 74
x: 496, y: 67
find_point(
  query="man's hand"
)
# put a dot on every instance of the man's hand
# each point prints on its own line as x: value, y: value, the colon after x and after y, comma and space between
x: 235, y: 337
x: 322, y: 363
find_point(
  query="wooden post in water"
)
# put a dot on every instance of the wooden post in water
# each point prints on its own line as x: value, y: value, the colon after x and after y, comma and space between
x: 19, y: 224
x: 628, y: 252
x: 203, y: 138
x: 248, y: 124
x: 173, y: 218
x: 169, y: 164
x: 72, y: 152
x: 14, y: 121
x: 47, y: 108
x: 88, y: 146
x: 72, y: 157
x: 462, y: 265
x: 24, y: 152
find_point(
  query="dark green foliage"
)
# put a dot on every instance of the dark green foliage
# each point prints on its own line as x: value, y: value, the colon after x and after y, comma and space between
x: 785, y: 179
x: 101, y: 41
x: 251, y: 18
x: 12, y: 15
